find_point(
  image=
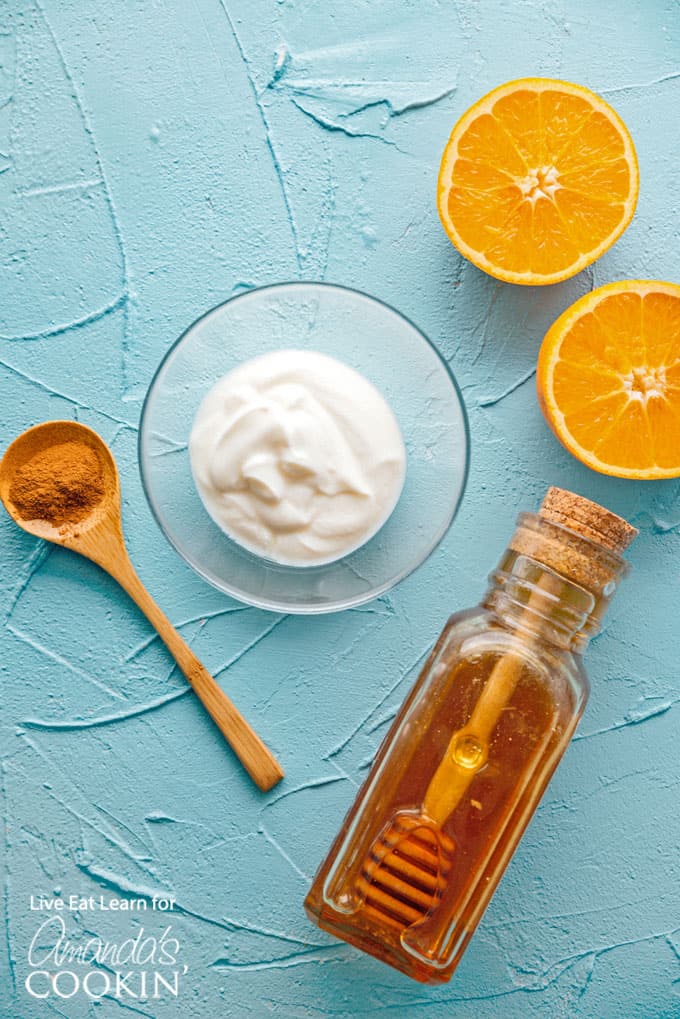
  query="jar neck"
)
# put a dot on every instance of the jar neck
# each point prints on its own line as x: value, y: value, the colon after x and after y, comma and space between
x: 553, y: 585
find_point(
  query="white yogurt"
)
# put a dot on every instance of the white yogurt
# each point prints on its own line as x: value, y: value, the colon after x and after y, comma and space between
x: 297, y: 457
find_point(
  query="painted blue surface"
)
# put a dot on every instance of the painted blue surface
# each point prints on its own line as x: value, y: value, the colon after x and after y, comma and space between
x: 156, y: 158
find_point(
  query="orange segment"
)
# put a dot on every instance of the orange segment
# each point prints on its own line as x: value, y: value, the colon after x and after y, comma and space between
x: 608, y: 379
x: 538, y: 179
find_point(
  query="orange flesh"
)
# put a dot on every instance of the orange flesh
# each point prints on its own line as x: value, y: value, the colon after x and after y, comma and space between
x: 609, y: 379
x: 537, y: 180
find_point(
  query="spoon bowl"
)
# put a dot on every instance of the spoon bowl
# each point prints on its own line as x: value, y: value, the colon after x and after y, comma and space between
x: 37, y: 440
x: 98, y: 536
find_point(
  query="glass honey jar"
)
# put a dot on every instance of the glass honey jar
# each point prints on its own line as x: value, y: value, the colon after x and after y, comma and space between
x: 467, y: 759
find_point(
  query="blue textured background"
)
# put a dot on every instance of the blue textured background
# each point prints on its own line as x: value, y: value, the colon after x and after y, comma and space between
x: 157, y: 157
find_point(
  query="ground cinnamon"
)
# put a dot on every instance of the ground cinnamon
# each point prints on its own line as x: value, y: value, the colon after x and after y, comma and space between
x: 62, y: 484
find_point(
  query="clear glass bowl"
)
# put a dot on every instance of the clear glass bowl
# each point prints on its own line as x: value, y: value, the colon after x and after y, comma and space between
x: 370, y: 337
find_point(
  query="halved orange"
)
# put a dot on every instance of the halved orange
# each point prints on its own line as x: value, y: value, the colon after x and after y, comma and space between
x: 608, y: 379
x: 537, y: 180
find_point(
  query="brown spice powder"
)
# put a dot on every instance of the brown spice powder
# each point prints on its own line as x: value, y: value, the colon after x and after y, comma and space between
x: 61, y: 484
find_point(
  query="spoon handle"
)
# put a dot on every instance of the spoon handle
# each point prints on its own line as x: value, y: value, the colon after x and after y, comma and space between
x: 255, y: 757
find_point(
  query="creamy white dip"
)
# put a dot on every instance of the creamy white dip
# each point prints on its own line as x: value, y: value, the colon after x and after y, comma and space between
x: 297, y: 457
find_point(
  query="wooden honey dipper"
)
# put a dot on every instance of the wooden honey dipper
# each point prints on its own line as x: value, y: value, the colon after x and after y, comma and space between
x: 405, y: 873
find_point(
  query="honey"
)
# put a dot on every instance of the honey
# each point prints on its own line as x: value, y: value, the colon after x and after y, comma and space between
x: 468, y: 757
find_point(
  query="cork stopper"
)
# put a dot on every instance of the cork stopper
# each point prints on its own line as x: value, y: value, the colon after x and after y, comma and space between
x: 576, y: 538
x: 587, y: 518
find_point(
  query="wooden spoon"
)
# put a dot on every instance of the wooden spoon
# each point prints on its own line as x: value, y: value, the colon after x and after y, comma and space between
x: 99, y: 537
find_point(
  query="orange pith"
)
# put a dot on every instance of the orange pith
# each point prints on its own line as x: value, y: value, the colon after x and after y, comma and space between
x: 538, y: 179
x: 608, y: 379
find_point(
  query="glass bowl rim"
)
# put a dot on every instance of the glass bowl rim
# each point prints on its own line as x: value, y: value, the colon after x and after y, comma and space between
x: 305, y: 608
